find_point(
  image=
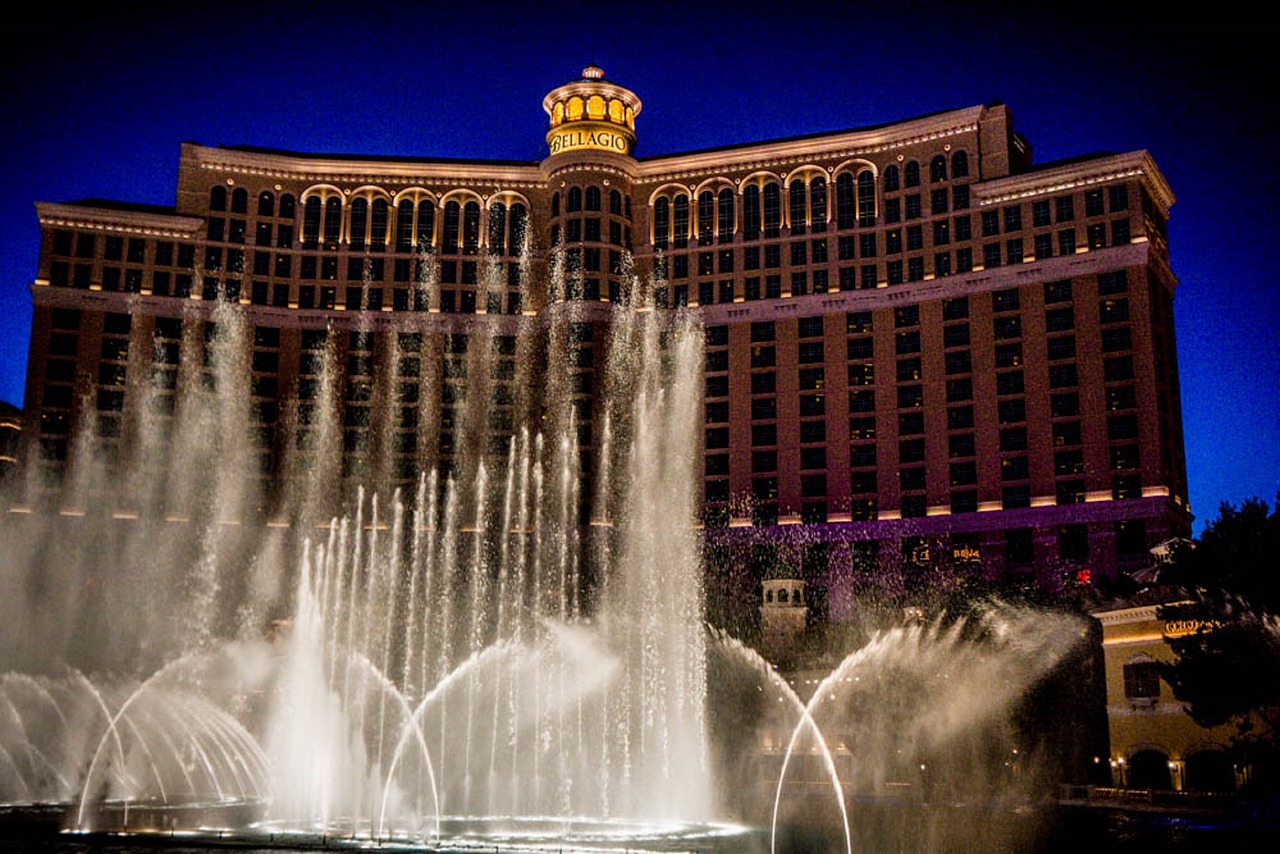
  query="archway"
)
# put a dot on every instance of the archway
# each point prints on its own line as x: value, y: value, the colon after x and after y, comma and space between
x: 1149, y: 769
x: 1210, y: 771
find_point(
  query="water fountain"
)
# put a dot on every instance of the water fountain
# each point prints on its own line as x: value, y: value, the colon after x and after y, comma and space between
x: 457, y: 664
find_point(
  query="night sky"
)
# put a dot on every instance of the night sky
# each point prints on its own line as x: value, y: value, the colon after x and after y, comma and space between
x: 96, y: 102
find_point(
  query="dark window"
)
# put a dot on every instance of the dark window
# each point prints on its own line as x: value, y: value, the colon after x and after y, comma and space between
x: 1065, y: 208
x: 1142, y: 680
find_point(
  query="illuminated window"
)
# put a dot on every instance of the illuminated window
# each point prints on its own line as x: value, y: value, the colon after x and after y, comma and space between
x: 680, y: 222
x: 846, y: 202
x: 797, y: 208
x: 725, y: 215
x: 772, y: 209
x: 866, y: 199
x: 818, y: 203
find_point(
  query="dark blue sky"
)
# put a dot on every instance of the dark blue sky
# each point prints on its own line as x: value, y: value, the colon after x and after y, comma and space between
x: 96, y: 103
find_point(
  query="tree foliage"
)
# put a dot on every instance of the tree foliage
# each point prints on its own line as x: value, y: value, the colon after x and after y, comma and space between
x: 1227, y: 671
x: 1238, y: 553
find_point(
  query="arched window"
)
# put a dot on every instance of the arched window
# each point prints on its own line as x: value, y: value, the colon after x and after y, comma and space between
x: 287, y: 210
x: 593, y: 198
x: 866, y: 198
x: 818, y: 203
x: 846, y: 203
x: 498, y: 228
x: 575, y: 200
x: 938, y: 169
x: 626, y: 206
x: 795, y: 595
x: 239, y: 200
x: 471, y: 228
x: 751, y: 213
x: 266, y: 203
x: 452, y: 227
x: 782, y: 595
x: 332, y: 222
x: 378, y: 225
x: 359, y: 221
x: 404, y: 226
x: 796, y: 207
x: 680, y: 221
x: 706, y: 217
x: 768, y: 595
x: 772, y: 209
x: 960, y: 165
x: 724, y: 219
x: 311, y: 223
x: 615, y: 203
x: 661, y: 222
x: 218, y: 199
x: 517, y: 227
x: 555, y: 204
x: 911, y: 174
x: 891, y: 174
x: 427, y: 224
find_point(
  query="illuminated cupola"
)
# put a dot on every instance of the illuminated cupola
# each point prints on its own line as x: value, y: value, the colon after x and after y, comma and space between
x: 591, y: 114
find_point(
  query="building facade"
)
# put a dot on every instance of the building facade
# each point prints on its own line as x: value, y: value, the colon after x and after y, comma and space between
x: 926, y: 356
x: 1155, y: 744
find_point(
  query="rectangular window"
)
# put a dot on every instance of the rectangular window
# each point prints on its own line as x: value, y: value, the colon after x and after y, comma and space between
x: 1093, y: 203
x: 990, y: 223
x: 1065, y: 208
x: 1119, y: 197
x: 1120, y: 232
x: 915, y: 237
x: 959, y: 417
x: 991, y: 255
x: 1067, y: 241
x: 1007, y: 327
x: 893, y: 272
x: 938, y: 201
x: 1059, y: 319
x: 1043, y: 246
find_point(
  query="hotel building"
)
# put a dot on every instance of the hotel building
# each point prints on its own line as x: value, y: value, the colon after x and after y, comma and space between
x: 927, y: 357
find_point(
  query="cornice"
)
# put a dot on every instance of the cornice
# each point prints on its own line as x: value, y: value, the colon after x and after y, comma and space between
x: 1071, y: 176
x: 834, y: 146
x: 945, y: 287
x: 329, y: 170
x: 51, y: 214
x: 1138, y: 614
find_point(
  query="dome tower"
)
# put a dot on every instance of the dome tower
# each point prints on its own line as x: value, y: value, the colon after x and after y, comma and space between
x: 590, y: 169
x: 591, y: 114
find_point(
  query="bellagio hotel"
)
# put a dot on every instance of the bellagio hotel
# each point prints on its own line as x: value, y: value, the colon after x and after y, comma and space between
x: 927, y: 356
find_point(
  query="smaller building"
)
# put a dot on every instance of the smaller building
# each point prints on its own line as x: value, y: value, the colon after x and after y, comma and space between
x: 783, y: 615
x: 1155, y: 744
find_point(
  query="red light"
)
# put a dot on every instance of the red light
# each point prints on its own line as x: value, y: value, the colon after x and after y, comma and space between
x: 1084, y: 577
